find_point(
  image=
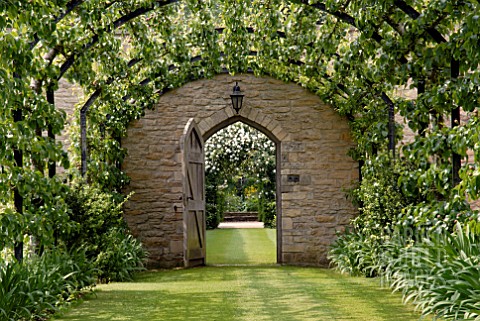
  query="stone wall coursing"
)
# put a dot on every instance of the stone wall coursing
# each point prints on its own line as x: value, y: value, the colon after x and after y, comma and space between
x: 66, y: 97
x: 409, y: 135
x: 314, y: 142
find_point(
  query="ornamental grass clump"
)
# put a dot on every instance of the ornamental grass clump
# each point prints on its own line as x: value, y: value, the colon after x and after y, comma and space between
x: 441, y: 274
x: 346, y: 254
x: 120, y: 258
x: 438, y: 272
x: 39, y: 286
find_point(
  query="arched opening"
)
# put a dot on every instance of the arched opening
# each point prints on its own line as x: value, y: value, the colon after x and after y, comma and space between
x: 311, y: 159
x: 243, y: 207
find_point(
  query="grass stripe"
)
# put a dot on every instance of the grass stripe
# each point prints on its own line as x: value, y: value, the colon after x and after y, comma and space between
x: 241, y: 246
x: 246, y: 293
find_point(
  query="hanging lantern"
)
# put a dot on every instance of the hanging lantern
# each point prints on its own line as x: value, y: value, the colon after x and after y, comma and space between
x: 237, y: 98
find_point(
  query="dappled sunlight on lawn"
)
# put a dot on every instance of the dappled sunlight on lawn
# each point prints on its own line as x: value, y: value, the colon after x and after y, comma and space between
x: 244, y: 293
x: 249, y: 292
x: 254, y: 291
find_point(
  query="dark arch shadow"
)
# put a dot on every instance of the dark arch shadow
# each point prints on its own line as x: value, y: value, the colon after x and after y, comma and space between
x: 239, y: 118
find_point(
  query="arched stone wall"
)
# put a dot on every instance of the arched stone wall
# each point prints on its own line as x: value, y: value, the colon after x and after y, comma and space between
x: 313, y: 143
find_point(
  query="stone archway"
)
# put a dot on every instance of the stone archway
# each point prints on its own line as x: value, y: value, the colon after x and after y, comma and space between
x: 312, y: 139
x: 209, y: 131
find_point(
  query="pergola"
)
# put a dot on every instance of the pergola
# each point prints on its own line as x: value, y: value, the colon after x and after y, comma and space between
x: 356, y: 55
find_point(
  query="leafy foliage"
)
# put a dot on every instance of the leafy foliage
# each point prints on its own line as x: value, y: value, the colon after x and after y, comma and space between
x: 215, y: 202
x: 39, y: 287
x: 353, y: 54
x: 440, y: 274
x: 120, y: 258
x: 406, y: 238
x: 348, y: 252
x: 379, y: 198
x: 349, y: 52
x: 98, y: 247
x: 102, y: 233
x: 44, y: 212
x: 439, y: 271
x: 360, y: 56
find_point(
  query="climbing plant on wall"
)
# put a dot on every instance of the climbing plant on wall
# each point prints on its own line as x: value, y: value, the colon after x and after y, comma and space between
x: 391, y: 68
x: 357, y: 55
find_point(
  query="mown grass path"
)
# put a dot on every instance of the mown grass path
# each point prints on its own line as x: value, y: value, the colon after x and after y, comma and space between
x: 241, y: 246
x: 243, y: 293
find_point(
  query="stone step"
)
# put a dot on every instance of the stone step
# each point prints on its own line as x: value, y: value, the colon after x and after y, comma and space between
x: 240, y: 217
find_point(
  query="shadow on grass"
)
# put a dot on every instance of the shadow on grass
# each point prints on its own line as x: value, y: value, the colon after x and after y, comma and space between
x: 244, y: 293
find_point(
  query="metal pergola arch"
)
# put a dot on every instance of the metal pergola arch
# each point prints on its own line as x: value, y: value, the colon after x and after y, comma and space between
x: 141, y: 11
x: 401, y: 5
x: 340, y: 15
x: 90, y: 101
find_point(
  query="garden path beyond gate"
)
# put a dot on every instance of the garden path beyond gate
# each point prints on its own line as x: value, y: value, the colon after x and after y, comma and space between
x: 313, y: 168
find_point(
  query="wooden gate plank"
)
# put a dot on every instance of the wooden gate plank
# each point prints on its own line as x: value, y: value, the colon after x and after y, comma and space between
x: 194, y: 195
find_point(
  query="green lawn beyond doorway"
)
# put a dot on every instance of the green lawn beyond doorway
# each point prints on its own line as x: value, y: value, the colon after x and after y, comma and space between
x: 262, y: 292
x: 242, y: 246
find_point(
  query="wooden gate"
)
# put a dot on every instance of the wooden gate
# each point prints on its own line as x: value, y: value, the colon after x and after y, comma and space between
x: 193, y: 195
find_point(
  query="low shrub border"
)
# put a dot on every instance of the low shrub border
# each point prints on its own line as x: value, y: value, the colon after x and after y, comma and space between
x: 439, y: 273
x: 39, y: 286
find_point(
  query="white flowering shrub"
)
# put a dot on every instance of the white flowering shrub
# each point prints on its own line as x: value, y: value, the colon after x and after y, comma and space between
x: 240, y: 173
